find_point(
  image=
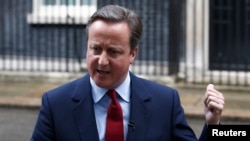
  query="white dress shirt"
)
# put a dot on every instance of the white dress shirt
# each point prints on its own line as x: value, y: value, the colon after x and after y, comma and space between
x: 101, y: 103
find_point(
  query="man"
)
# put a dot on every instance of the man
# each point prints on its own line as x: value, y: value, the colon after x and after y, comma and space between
x: 79, y: 110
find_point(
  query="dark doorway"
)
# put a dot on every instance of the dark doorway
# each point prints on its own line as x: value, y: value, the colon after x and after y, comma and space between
x: 229, y: 37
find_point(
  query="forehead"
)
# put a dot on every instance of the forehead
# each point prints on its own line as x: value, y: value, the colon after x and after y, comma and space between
x: 100, y: 24
x: 109, y: 30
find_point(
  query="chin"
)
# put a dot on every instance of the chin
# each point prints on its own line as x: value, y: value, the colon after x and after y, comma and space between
x: 101, y: 83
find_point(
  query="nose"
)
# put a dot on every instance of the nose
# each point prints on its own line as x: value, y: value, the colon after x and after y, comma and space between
x: 103, y: 59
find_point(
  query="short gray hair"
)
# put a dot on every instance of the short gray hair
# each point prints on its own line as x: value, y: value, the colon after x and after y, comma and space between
x: 116, y: 13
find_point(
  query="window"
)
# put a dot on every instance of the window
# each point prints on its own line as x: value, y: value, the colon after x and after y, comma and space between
x: 61, y: 11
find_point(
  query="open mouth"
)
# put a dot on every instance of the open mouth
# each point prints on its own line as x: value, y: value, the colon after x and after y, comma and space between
x: 103, y: 72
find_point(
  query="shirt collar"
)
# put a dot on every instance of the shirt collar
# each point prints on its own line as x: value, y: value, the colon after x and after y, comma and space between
x: 123, y: 90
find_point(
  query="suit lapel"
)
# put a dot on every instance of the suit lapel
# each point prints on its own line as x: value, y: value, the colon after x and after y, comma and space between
x: 84, y: 116
x: 140, y: 112
x: 83, y: 111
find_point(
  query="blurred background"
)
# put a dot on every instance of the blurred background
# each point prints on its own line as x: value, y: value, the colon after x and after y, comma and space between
x: 185, y: 44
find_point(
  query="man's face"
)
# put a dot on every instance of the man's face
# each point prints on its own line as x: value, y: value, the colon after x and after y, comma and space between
x: 108, y: 53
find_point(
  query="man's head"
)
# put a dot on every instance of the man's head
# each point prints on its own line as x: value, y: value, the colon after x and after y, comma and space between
x: 115, y: 14
x: 113, y: 34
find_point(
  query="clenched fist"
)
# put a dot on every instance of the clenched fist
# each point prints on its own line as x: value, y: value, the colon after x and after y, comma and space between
x: 213, y: 105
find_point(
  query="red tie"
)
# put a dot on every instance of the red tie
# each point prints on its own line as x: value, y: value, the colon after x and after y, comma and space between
x: 114, y: 124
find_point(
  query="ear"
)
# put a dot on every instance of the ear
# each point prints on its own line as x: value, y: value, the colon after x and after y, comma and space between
x: 133, y: 55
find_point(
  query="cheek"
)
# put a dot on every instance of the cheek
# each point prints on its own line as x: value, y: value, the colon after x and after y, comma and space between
x: 90, y: 59
x: 122, y: 65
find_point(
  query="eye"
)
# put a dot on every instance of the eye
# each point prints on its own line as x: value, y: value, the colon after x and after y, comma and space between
x: 96, y: 50
x: 114, y: 52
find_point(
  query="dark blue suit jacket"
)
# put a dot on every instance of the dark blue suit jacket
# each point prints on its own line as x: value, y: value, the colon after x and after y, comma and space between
x: 67, y: 114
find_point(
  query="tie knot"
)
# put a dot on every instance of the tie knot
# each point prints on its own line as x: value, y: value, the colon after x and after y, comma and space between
x: 112, y: 94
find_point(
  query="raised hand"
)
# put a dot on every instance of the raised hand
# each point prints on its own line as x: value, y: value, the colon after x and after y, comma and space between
x: 214, y: 103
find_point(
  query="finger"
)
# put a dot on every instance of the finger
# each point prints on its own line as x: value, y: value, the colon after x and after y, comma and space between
x: 208, y: 90
x: 212, y: 91
x: 215, y: 107
x: 210, y: 86
x: 215, y: 94
x: 218, y: 100
x: 213, y: 97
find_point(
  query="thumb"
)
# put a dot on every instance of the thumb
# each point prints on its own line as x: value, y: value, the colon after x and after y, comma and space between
x: 210, y: 86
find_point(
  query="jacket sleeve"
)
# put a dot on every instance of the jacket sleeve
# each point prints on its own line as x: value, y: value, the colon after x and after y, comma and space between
x: 203, y: 136
x: 43, y: 130
x: 182, y: 130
